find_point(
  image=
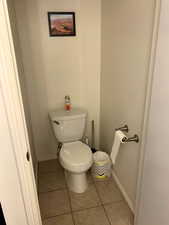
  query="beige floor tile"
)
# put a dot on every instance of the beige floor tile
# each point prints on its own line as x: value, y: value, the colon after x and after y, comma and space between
x: 119, y: 214
x: 108, y: 191
x: 59, y: 220
x: 93, y: 216
x: 54, y: 203
x: 85, y: 200
x: 51, y: 181
x: 49, y: 166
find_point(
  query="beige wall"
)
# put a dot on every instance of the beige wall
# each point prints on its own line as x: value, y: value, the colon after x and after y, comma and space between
x: 56, y: 66
x: 22, y: 80
x: 126, y: 36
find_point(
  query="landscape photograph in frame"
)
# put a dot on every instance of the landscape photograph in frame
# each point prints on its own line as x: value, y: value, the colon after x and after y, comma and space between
x: 61, y: 23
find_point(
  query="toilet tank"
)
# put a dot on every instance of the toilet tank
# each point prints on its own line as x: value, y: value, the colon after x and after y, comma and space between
x: 68, y: 126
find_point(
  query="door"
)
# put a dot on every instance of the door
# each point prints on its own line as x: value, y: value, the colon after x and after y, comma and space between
x: 18, y: 194
x: 154, y: 200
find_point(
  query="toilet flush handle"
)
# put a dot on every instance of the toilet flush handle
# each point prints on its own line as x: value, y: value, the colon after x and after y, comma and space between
x: 57, y: 122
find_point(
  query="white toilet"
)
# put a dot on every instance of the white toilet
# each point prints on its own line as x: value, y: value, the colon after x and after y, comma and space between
x: 75, y: 156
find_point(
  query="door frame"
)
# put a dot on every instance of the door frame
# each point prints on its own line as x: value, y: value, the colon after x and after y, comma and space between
x: 15, y: 118
x: 13, y: 105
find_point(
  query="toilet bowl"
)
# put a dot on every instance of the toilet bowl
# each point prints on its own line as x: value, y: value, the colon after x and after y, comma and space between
x: 76, y: 159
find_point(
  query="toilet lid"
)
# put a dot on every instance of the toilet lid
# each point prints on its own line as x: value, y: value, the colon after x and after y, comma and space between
x: 77, y: 153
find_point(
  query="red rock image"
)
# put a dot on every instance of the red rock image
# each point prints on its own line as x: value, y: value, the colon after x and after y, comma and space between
x: 62, y: 26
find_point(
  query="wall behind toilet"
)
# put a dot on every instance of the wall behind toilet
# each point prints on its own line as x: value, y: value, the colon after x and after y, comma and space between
x: 57, y: 66
x: 126, y: 42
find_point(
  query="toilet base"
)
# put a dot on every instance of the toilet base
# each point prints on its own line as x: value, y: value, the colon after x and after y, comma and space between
x: 77, y: 182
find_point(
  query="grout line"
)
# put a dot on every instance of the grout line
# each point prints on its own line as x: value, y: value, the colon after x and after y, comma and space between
x: 49, y: 172
x: 68, y: 213
x: 52, y: 171
x: 115, y: 202
x: 59, y: 189
x: 102, y: 203
x: 74, y: 211
x: 50, y: 217
x: 71, y: 209
x: 71, y: 212
x: 92, y: 207
x: 116, y: 188
x: 106, y: 215
x: 69, y: 197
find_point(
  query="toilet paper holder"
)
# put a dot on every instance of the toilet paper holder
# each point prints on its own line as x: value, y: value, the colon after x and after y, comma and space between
x: 135, y: 138
x: 124, y: 128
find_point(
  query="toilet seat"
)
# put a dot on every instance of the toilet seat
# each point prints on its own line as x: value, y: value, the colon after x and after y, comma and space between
x: 76, y: 157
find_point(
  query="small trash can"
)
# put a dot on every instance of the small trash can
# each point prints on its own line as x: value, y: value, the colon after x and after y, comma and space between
x: 101, y: 168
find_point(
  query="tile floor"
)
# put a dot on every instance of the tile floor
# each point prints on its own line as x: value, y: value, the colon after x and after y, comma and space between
x: 101, y: 204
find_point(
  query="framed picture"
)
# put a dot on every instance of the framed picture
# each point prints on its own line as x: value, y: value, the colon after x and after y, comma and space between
x: 62, y: 24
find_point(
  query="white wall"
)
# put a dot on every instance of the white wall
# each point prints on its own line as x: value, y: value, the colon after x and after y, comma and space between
x: 154, y: 202
x: 126, y: 38
x: 57, y: 66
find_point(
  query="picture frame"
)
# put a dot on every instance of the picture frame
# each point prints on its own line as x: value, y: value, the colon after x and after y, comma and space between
x: 61, y: 24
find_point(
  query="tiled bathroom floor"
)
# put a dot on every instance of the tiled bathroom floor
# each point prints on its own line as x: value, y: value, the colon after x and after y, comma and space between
x: 101, y: 204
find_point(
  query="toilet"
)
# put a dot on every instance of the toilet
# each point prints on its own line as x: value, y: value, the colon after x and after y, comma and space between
x: 74, y: 156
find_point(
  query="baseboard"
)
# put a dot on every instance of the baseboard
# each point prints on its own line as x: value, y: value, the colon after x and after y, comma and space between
x: 122, y: 189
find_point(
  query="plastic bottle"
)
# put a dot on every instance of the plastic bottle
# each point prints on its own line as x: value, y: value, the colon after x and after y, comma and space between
x: 67, y: 103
